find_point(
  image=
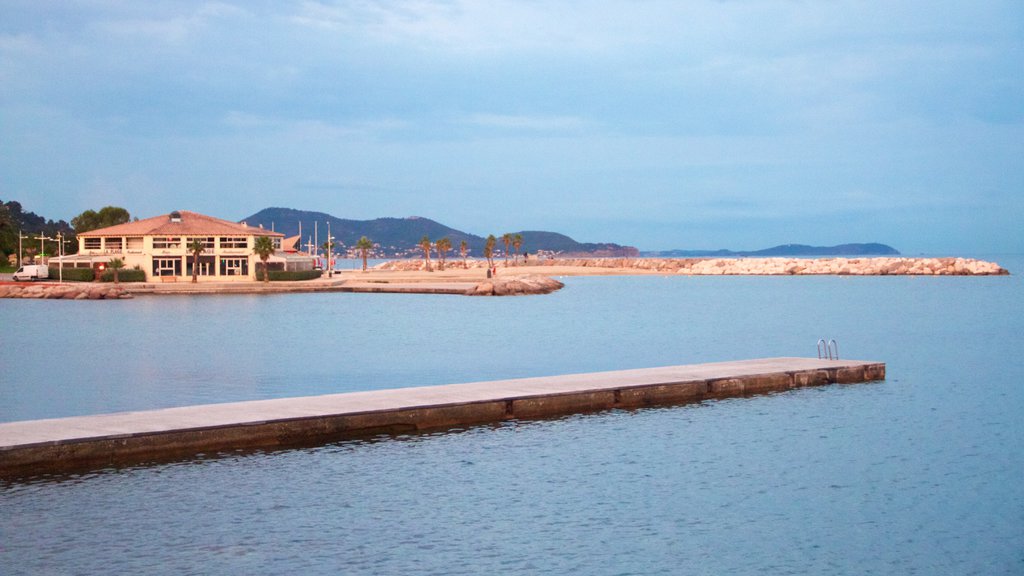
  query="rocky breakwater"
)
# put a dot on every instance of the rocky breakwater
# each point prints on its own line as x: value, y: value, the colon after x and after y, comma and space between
x: 880, y: 266
x: 63, y: 291
x: 413, y: 265
x: 516, y: 286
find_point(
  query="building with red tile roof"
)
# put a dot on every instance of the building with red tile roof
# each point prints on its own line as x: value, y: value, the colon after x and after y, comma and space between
x: 160, y: 247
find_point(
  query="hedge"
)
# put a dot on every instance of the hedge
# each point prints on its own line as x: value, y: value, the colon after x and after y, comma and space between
x: 72, y: 274
x: 282, y: 276
x: 124, y: 275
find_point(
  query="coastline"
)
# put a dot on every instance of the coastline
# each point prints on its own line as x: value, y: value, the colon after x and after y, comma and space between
x: 534, y: 277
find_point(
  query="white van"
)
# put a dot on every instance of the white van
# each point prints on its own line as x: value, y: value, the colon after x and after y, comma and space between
x: 32, y: 272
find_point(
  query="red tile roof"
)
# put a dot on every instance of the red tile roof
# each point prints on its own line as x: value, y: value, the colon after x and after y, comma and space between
x: 190, y: 224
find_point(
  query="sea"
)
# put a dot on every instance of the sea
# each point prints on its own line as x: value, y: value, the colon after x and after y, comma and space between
x: 922, y: 473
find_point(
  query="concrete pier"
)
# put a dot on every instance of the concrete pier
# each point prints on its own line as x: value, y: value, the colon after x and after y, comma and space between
x: 92, y: 442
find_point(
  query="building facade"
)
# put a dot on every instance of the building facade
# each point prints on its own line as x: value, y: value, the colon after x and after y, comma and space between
x: 160, y: 247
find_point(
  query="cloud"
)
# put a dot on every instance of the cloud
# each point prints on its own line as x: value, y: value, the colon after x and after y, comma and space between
x: 465, y: 26
x: 530, y: 123
x: 172, y: 29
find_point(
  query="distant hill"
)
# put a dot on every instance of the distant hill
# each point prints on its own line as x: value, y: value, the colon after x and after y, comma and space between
x: 869, y: 249
x: 400, y: 236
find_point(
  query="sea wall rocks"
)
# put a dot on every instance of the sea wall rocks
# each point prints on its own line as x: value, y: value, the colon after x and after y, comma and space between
x: 72, y: 291
x: 880, y: 266
x: 516, y: 286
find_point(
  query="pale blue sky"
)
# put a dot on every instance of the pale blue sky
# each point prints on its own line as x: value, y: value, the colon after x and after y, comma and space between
x: 656, y: 124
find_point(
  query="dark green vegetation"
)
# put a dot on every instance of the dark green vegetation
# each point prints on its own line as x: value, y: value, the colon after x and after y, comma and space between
x: 124, y: 275
x: 107, y: 216
x: 75, y: 274
x: 14, y: 219
x: 282, y: 276
x: 870, y: 249
x: 402, y: 236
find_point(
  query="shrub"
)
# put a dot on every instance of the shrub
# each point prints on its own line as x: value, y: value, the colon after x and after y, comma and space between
x: 282, y: 276
x: 124, y: 275
x: 72, y: 274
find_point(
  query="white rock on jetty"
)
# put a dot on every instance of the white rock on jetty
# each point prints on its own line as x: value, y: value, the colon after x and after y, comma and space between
x: 516, y: 286
x: 879, y: 266
x: 63, y: 292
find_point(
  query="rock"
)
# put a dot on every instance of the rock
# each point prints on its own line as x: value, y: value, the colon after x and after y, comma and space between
x: 516, y: 285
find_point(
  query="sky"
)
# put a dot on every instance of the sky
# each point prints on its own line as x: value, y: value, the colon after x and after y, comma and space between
x: 676, y: 124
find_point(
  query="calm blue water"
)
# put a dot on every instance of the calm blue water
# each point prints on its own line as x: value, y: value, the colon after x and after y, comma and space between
x: 920, y: 474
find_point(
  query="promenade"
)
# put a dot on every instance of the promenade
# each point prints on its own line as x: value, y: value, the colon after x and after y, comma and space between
x: 98, y: 441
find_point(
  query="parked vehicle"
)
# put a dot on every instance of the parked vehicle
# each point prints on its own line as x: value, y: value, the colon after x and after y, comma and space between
x: 32, y: 272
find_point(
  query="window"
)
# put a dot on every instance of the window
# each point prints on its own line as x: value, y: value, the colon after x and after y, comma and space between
x: 234, y: 266
x: 92, y: 243
x: 166, y: 266
x: 168, y: 243
x: 206, y: 266
x: 135, y: 244
x: 277, y: 243
x: 234, y: 242
x: 209, y: 242
x: 113, y: 244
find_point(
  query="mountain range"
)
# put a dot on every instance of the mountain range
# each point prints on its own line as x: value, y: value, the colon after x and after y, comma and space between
x: 869, y: 249
x: 398, y: 237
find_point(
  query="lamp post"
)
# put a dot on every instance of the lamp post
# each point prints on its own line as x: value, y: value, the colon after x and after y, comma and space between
x: 42, y: 247
x: 330, y: 268
x: 60, y: 251
x: 20, y: 238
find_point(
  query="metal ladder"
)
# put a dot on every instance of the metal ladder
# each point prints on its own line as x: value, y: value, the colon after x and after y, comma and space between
x: 828, y: 350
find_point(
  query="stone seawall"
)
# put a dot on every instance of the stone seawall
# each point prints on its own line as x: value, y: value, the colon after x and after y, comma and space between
x: 67, y: 291
x: 879, y: 266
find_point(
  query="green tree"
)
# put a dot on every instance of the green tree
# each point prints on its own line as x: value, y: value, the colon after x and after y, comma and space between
x: 364, y: 245
x: 463, y: 250
x: 425, y: 246
x: 517, y: 243
x: 107, y: 216
x: 444, y: 245
x: 115, y: 265
x: 196, y: 248
x: 264, y: 247
x: 506, y: 239
x: 489, y: 250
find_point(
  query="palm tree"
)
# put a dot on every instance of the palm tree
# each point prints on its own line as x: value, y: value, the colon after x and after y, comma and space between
x: 517, y: 242
x: 506, y: 239
x: 196, y: 248
x: 115, y: 264
x: 425, y: 246
x: 364, y: 245
x: 264, y: 247
x: 464, y: 249
x: 489, y: 250
x: 444, y: 245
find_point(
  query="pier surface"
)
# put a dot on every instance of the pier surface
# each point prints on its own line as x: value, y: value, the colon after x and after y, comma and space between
x: 92, y: 442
